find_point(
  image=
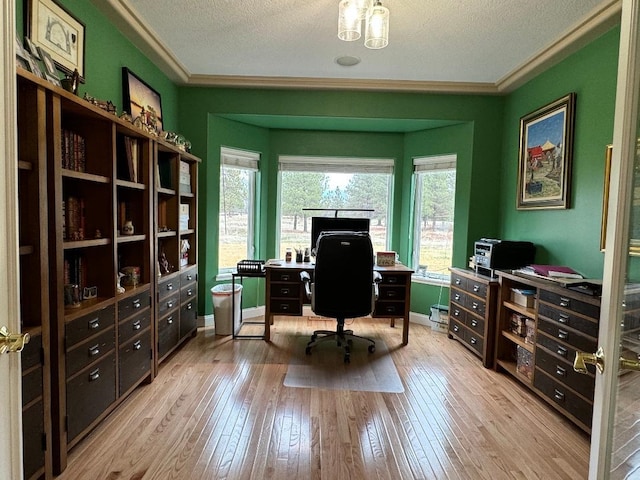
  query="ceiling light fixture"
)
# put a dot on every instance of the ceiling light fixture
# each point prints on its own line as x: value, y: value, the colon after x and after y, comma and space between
x: 351, y: 14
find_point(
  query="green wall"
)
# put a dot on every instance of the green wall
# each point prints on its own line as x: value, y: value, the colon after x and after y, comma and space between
x: 570, y: 236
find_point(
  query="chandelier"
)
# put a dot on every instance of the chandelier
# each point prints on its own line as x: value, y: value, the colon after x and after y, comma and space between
x: 351, y: 14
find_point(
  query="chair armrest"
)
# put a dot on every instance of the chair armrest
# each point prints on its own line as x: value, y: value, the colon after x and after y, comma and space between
x: 306, y: 279
x: 377, y: 278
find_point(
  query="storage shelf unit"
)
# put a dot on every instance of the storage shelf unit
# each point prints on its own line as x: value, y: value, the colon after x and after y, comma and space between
x: 565, y: 322
x: 87, y: 200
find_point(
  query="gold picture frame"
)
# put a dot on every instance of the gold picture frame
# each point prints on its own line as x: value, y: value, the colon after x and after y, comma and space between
x: 634, y: 243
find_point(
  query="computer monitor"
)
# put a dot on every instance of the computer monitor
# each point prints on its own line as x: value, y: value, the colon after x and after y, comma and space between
x: 341, y: 224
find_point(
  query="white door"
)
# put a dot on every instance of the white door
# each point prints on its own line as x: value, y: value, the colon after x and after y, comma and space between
x: 10, y: 390
x: 615, y: 440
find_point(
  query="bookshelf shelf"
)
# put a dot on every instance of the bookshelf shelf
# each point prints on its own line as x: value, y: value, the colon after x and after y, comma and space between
x: 89, y: 177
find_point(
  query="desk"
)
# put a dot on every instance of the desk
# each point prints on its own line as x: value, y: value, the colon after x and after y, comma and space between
x: 285, y: 295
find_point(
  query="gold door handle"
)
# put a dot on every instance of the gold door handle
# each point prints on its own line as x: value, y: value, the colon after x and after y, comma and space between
x: 626, y: 364
x: 12, y: 342
x: 583, y: 359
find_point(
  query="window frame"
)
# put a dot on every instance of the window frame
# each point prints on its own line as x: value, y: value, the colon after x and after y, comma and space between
x: 422, y: 165
x: 234, y: 158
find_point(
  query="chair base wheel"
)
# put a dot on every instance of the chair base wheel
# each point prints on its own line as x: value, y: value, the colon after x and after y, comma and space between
x: 371, y: 348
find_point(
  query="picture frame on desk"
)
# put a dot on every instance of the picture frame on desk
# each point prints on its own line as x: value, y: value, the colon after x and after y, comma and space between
x: 52, y: 27
x: 634, y: 241
x: 545, y: 156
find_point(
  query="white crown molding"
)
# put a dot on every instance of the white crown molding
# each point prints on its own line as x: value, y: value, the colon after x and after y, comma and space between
x: 601, y: 20
x: 126, y: 19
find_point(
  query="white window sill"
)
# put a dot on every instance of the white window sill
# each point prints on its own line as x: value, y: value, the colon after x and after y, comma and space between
x: 223, y: 276
x: 425, y: 280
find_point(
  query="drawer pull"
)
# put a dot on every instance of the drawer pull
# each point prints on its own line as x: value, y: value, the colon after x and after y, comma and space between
x: 189, y: 277
x: 137, y: 325
x: 169, y: 287
x: 456, y: 328
x: 170, y: 304
x: 93, y: 324
x: 95, y: 375
x: 563, y: 334
x: 170, y: 320
x: 136, y: 303
x: 285, y: 278
x: 189, y: 306
x: 476, y: 288
x: 562, y: 318
x: 475, y: 305
x: 457, y: 281
x: 558, y: 395
x: 565, y: 302
x: 284, y: 291
x: 561, y: 372
x: 456, y: 313
x: 189, y: 292
x: 95, y: 350
x: 137, y: 345
x: 562, y: 351
x: 390, y: 309
x: 456, y: 297
x: 392, y: 280
x: 473, y: 340
x: 391, y: 294
x: 474, y: 323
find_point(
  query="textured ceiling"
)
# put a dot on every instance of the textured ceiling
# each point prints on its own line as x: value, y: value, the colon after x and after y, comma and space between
x: 430, y: 40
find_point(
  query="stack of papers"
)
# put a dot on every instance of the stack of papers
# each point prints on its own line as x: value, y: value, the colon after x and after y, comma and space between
x: 552, y: 271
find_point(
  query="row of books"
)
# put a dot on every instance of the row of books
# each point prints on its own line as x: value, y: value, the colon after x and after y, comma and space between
x: 73, y: 151
x: 73, y: 219
x: 185, y: 177
x: 75, y: 270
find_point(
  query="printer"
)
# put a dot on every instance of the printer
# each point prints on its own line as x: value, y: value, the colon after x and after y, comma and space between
x: 491, y: 254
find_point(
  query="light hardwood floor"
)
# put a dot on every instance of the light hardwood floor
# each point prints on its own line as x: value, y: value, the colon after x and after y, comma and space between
x: 218, y: 409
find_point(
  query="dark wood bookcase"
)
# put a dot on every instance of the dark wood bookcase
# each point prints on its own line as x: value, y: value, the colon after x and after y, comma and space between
x: 91, y: 206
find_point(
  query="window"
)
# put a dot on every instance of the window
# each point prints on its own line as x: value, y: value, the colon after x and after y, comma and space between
x: 435, y: 192
x: 332, y: 183
x: 238, y: 172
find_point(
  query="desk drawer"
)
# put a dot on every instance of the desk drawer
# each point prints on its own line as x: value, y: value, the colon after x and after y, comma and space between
x: 285, y: 290
x: 393, y: 279
x: 292, y: 276
x: 286, y: 307
x: 562, y: 371
x: 567, y: 335
x: 569, y: 319
x: 569, y: 303
x: 389, y: 309
x: 391, y: 293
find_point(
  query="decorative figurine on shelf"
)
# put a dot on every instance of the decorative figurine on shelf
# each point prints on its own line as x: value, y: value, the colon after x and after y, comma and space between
x: 127, y: 228
x: 70, y: 82
x: 165, y: 266
x: 119, y: 288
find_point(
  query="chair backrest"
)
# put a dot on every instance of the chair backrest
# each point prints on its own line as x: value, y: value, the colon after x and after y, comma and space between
x: 343, y: 276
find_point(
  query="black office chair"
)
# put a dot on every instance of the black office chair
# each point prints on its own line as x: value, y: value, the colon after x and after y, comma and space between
x: 344, y: 285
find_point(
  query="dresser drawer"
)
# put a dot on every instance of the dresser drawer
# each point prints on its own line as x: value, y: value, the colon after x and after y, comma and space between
x: 569, y: 319
x: 89, y: 393
x: 134, y: 325
x: 457, y: 329
x: 31, y: 385
x: 476, y: 324
x: 89, y: 351
x: 132, y: 305
x: 566, y: 335
x: 188, y: 317
x: 134, y: 361
x: 168, y: 333
x: 561, y: 349
x: 188, y: 276
x: 188, y: 292
x: 90, y: 324
x: 475, y: 305
x: 457, y: 313
x: 475, y: 341
x: 458, y: 281
x: 169, y: 303
x: 168, y: 287
x: 459, y: 297
x: 477, y: 288
x: 569, y: 303
x: 286, y: 307
x: 563, y: 397
x: 563, y: 372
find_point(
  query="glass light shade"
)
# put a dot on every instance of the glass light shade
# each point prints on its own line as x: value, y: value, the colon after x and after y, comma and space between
x: 349, y: 22
x: 363, y: 7
x: 377, y: 29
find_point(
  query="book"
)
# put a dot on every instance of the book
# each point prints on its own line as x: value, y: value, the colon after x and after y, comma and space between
x: 554, y: 271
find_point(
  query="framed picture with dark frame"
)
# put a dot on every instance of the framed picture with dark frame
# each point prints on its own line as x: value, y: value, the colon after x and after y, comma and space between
x: 138, y: 95
x: 53, y: 28
x: 545, y: 157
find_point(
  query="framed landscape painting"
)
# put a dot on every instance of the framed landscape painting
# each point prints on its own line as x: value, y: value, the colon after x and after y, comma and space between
x: 546, y: 151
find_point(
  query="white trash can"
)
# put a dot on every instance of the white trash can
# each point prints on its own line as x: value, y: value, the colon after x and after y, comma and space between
x: 222, y: 302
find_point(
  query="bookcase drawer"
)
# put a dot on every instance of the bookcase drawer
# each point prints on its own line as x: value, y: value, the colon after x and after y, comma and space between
x: 168, y: 303
x: 132, y: 305
x: 90, y: 324
x: 569, y: 319
x: 188, y: 276
x: 188, y: 292
x: 134, y: 362
x: 188, y: 317
x: 89, y: 351
x: 134, y: 325
x: 31, y: 385
x: 168, y: 333
x: 562, y: 371
x: 563, y: 397
x: 567, y: 335
x: 89, y: 393
x: 569, y: 303
x: 168, y: 286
